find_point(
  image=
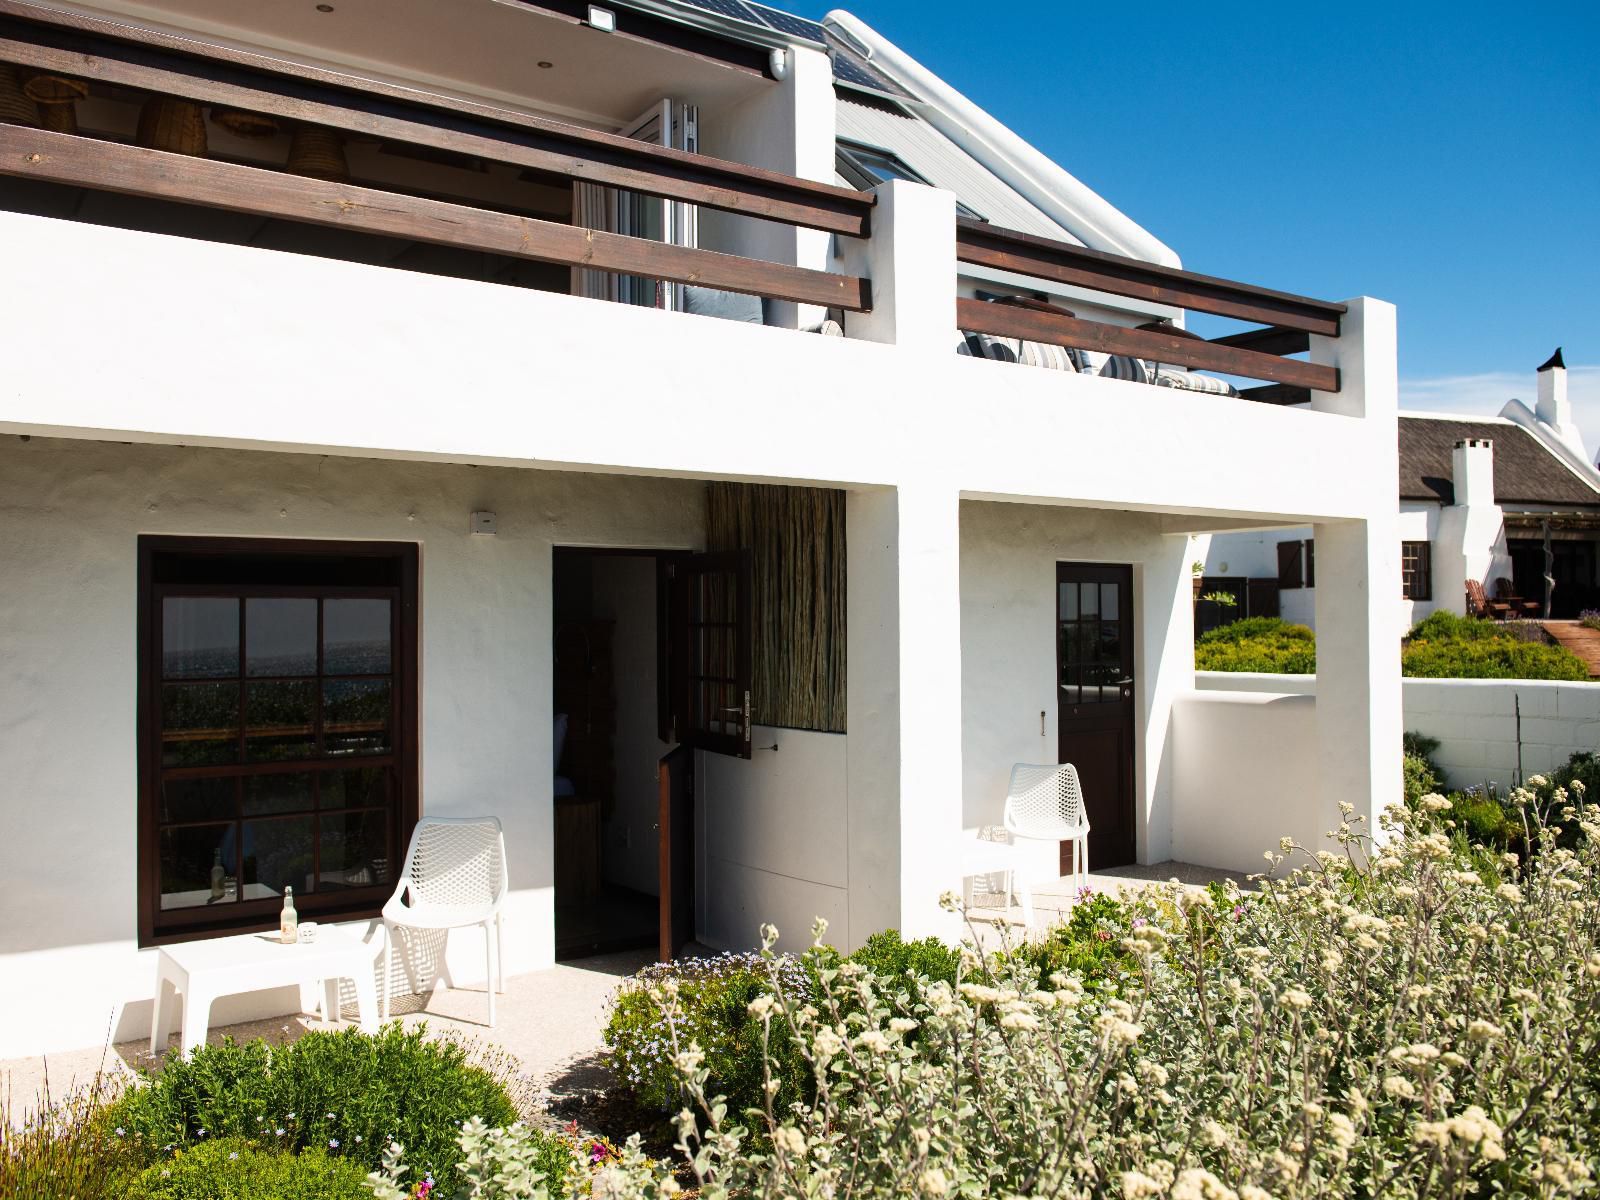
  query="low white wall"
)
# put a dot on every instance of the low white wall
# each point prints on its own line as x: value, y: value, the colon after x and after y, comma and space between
x: 67, y: 681
x: 1474, y: 719
x: 771, y: 839
x: 1242, y: 777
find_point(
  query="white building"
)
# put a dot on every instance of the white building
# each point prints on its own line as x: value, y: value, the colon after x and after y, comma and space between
x: 349, y: 441
x: 1497, y: 502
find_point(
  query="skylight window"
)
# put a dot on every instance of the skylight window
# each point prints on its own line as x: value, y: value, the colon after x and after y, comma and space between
x: 866, y: 167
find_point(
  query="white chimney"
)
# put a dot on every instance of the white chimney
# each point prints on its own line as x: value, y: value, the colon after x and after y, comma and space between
x: 1472, y: 473
x: 1554, y: 409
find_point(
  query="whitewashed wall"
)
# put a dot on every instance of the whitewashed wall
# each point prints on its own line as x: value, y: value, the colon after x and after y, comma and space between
x: 1242, y: 766
x: 771, y: 838
x: 1474, y: 719
x: 1009, y: 554
x: 67, y: 680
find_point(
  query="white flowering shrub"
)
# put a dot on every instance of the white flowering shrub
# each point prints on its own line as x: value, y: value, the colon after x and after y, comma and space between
x: 1380, y: 1021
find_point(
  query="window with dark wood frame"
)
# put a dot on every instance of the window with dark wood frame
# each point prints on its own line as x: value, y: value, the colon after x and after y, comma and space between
x: 277, y: 732
x: 1416, y: 570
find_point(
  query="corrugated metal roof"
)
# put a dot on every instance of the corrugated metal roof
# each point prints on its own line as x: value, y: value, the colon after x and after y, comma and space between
x: 942, y: 163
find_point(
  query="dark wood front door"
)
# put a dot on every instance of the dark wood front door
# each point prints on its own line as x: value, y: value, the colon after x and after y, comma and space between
x: 1094, y: 668
x: 676, y: 776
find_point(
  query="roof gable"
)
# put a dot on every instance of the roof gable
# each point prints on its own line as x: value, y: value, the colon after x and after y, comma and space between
x: 1525, y: 470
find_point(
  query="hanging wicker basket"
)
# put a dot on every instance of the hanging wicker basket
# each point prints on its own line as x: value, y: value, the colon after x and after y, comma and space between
x: 57, y: 97
x: 319, y: 153
x: 176, y: 126
x: 15, y: 107
x: 245, y: 124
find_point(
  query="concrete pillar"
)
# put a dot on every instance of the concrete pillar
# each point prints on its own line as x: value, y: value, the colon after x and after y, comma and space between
x: 1358, y: 610
x: 903, y: 767
x: 911, y: 260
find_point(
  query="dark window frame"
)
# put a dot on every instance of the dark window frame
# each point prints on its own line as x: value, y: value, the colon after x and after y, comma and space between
x: 1416, y: 570
x: 170, y: 565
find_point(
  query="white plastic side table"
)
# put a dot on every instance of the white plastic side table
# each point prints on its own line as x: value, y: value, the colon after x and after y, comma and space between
x: 982, y: 857
x: 201, y: 971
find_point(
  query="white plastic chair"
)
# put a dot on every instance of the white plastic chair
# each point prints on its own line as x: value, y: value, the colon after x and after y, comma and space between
x: 455, y: 876
x: 1045, y: 803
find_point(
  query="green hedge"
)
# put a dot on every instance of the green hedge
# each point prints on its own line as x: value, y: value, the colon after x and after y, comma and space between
x: 1265, y: 644
x: 346, y: 1092
x: 235, y: 1169
x: 1443, y: 646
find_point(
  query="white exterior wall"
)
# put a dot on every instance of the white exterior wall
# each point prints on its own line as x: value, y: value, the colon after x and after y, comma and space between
x: 1009, y: 554
x: 67, y: 681
x: 1474, y: 719
x: 1239, y: 764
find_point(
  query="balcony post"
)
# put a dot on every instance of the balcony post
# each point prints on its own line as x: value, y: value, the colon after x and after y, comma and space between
x: 911, y: 261
x: 903, y: 759
x: 1358, y: 609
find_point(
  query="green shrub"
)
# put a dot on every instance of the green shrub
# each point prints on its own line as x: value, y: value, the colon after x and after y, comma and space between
x: 346, y: 1091
x: 715, y: 994
x: 1265, y: 644
x: 1383, y: 1021
x: 1446, y: 646
x: 1419, y: 773
x: 888, y: 955
x: 1087, y: 945
x: 236, y: 1169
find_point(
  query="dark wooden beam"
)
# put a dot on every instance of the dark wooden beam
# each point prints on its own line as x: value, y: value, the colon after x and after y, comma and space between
x: 96, y: 48
x: 986, y: 245
x: 132, y: 170
x: 1277, y: 393
x: 1272, y: 340
x: 1007, y: 321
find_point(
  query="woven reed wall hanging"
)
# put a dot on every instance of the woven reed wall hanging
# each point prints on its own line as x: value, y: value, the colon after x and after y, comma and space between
x: 796, y: 539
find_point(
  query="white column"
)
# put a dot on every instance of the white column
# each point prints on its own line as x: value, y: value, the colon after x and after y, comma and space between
x: 904, y: 751
x: 1358, y: 609
x: 911, y: 261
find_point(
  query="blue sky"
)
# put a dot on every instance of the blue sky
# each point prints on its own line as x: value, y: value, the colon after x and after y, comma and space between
x: 1445, y: 157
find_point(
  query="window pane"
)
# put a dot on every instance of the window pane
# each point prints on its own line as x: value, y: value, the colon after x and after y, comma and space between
x: 355, y: 637
x: 355, y: 716
x: 199, y: 637
x: 1089, y: 596
x: 280, y: 720
x: 355, y: 849
x: 1108, y: 602
x: 199, y: 724
x: 280, y: 637
x: 196, y: 866
x: 265, y: 794
x: 1110, y: 644
x: 364, y: 788
x: 277, y: 854
x: 198, y: 799
x: 1069, y: 602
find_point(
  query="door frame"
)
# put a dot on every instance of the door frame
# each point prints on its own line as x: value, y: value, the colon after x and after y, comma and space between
x: 1127, y: 574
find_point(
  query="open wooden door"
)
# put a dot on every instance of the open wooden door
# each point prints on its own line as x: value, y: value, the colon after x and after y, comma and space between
x: 712, y: 661
x: 676, y: 775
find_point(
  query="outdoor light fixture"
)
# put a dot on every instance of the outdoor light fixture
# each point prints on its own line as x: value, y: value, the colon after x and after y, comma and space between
x: 545, y: 66
x: 602, y: 19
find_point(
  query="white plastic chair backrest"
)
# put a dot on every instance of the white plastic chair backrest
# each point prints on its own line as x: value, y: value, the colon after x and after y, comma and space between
x: 1045, y: 801
x: 456, y: 862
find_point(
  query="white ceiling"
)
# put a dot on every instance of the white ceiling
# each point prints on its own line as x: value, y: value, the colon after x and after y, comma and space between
x: 481, y: 49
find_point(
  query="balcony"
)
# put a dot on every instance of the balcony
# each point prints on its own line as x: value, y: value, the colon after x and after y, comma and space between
x: 423, y: 182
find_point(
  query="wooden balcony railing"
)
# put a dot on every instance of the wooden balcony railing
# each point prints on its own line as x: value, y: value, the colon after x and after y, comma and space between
x: 116, y: 55
x: 1288, y: 320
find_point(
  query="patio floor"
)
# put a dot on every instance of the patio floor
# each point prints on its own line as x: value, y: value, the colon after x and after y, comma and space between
x: 551, y: 1021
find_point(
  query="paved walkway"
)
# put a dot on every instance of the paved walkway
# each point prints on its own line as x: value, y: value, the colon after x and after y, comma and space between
x: 1580, y: 639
